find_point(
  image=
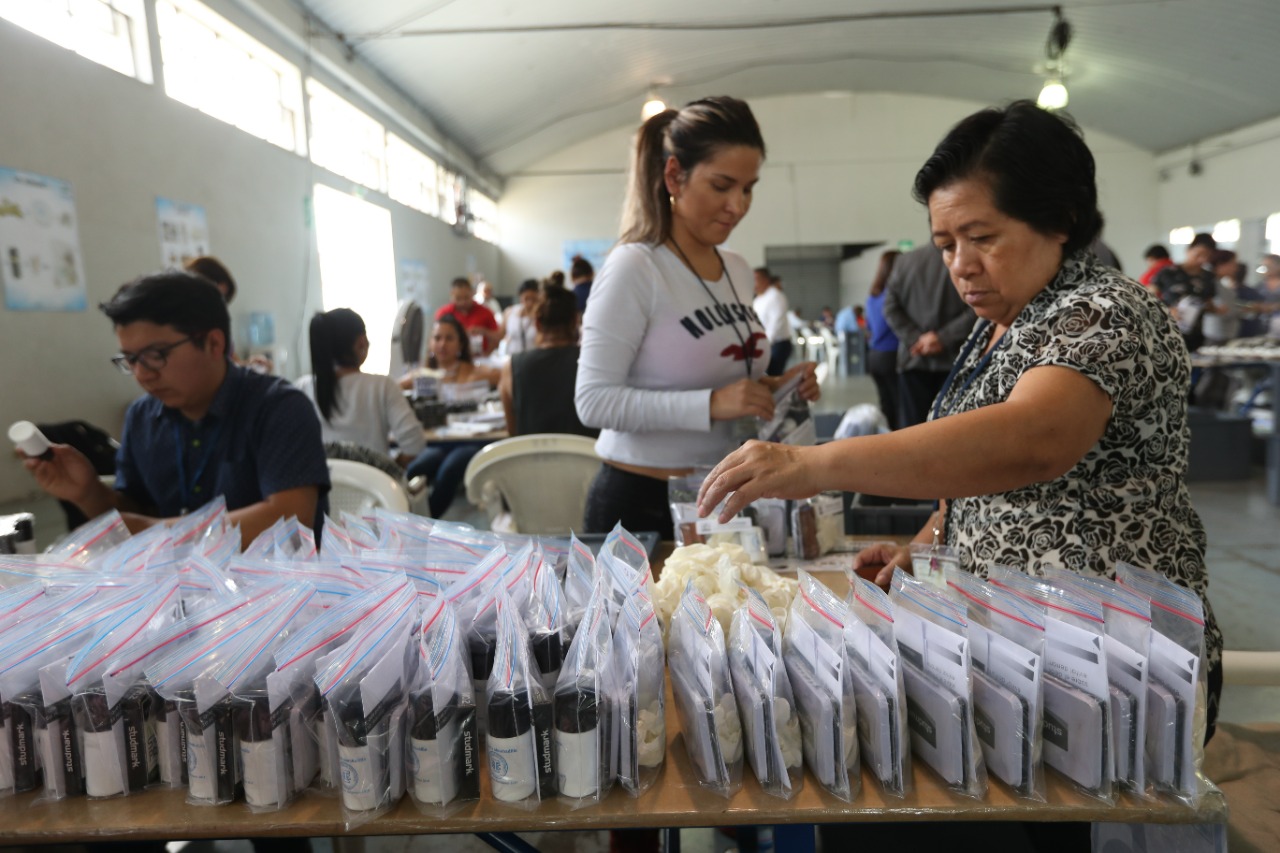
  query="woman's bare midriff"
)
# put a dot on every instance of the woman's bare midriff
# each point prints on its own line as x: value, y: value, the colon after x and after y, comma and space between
x: 645, y: 471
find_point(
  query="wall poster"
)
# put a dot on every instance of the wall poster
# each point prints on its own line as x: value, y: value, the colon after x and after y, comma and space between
x: 593, y: 251
x: 40, y: 262
x: 184, y: 231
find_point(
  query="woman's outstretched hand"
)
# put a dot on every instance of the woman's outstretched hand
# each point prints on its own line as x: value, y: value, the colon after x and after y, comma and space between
x: 758, y: 469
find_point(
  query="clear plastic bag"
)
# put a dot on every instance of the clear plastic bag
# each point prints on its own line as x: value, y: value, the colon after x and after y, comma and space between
x: 195, y: 531
x: 932, y: 636
x: 545, y: 618
x: 1128, y: 642
x: 520, y: 717
x: 585, y: 708
x: 822, y: 681
x: 263, y: 739
x: 443, y: 747
x: 91, y: 541
x: 113, y: 728
x: 1178, y: 685
x: 363, y: 685
x: 173, y: 669
x: 639, y: 662
x: 766, y: 705
x: 1006, y: 647
x: 579, y: 583
x: 703, y: 690
x: 1077, y: 737
x: 291, y: 688
x: 817, y: 525
x: 878, y: 686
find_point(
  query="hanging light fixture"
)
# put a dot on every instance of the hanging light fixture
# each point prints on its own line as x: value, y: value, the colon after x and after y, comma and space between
x: 652, y: 106
x: 1054, y: 94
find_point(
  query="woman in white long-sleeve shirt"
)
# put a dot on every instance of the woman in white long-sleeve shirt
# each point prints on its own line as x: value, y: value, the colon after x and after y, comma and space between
x: 364, y: 408
x: 672, y: 351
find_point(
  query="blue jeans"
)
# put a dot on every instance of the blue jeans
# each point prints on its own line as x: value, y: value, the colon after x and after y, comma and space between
x: 444, y: 466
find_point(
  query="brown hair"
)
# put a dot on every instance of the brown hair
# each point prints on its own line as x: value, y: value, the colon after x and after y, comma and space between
x: 215, y: 271
x: 882, y: 271
x: 693, y: 134
x: 557, y: 311
x: 581, y: 268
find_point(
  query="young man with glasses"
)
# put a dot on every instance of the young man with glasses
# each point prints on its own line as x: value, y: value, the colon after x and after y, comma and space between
x: 207, y: 427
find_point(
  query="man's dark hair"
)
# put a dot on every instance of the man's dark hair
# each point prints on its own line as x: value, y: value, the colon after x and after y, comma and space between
x: 187, y: 302
x: 529, y: 284
x: 1156, y: 252
x: 214, y: 270
x: 1035, y: 162
x: 1203, y: 239
x: 461, y: 281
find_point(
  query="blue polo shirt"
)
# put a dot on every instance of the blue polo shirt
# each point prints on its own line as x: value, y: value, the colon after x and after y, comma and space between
x: 260, y: 436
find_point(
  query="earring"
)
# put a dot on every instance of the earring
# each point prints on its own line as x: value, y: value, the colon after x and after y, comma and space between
x: 672, y: 198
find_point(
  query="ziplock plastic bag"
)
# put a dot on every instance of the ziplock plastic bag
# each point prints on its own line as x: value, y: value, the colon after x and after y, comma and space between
x: 932, y: 635
x: 212, y: 766
x: 520, y: 720
x: 579, y: 583
x: 123, y: 675
x: 627, y: 548
x: 363, y: 687
x: 1077, y: 696
x: 1177, y: 697
x: 113, y: 731
x: 406, y: 531
x: 335, y: 542
x: 878, y: 686
x: 1128, y: 641
x: 135, y: 553
x: 202, y: 583
x: 17, y: 602
x: 545, y: 619
x: 193, y: 531
x: 429, y: 581
x: 822, y: 680
x: 443, y: 751
x: 473, y: 595
x: 703, y: 690
x: 453, y: 544
x: 263, y: 740
x: 585, y: 705
x: 639, y: 661
x: 1006, y: 647
x: 292, y: 690
x: 17, y: 569
x: 766, y: 706
x: 362, y: 531
x: 90, y: 541
x: 22, y: 655
x: 817, y: 525
x: 332, y: 580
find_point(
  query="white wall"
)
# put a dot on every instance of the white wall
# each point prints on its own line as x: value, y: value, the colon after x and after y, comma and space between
x: 1239, y: 178
x: 121, y: 143
x: 839, y: 170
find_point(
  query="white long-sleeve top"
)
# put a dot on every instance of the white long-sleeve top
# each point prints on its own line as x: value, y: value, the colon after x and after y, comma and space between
x: 371, y: 408
x: 772, y: 308
x: 654, y: 347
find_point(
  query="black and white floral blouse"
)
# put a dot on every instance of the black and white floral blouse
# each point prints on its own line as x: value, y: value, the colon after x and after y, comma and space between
x: 1127, y: 498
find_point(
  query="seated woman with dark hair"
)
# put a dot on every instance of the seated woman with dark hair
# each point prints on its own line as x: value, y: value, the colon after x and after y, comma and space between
x: 362, y: 408
x: 537, y: 385
x: 445, y: 464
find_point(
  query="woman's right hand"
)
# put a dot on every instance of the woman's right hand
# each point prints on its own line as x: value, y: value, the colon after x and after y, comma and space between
x: 877, y: 562
x: 742, y: 398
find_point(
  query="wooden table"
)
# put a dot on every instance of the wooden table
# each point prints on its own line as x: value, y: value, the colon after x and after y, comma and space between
x: 435, y: 436
x: 674, y: 801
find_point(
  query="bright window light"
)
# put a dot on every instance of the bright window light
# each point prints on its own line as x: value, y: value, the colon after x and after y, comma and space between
x: 1227, y: 231
x: 218, y: 68
x: 485, y: 213
x: 110, y: 32
x: 450, y: 195
x: 357, y: 266
x: 345, y: 140
x: 412, y: 176
x: 1273, y: 232
x: 1182, y: 236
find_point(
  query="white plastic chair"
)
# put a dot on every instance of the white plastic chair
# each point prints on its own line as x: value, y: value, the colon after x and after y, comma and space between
x: 357, y: 487
x: 542, y: 479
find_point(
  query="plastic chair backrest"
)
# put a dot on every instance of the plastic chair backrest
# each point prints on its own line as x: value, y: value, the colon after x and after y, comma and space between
x: 542, y: 478
x: 357, y: 487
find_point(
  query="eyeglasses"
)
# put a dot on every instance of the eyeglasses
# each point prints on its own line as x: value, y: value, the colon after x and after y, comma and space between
x: 153, y: 358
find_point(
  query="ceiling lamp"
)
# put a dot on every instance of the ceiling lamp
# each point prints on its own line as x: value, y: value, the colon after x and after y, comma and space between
x: 1054, y: 94
x: 652, y: 106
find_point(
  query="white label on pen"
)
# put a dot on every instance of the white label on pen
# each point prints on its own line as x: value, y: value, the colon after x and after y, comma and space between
x: 577, y: 763
x: 103, y: 775
x: 355, y: 765
x: 261, y: 774
x: 513, y: 772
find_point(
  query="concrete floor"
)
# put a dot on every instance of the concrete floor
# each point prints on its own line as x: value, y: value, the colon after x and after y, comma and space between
x: 1244, y: 565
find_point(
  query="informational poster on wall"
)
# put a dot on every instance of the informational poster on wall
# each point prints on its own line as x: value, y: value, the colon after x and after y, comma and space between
x: 40, y: 262
x: 593, y: 251
x: 414, y: 281
x: 184, y: 231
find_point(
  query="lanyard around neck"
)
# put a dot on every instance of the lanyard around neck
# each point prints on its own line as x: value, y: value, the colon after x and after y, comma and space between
x: 210, y: 443
x: 973, y: 374
x: 720, y: 306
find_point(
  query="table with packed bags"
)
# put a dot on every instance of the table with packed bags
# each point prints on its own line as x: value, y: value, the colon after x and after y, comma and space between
x: 292, y: 695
